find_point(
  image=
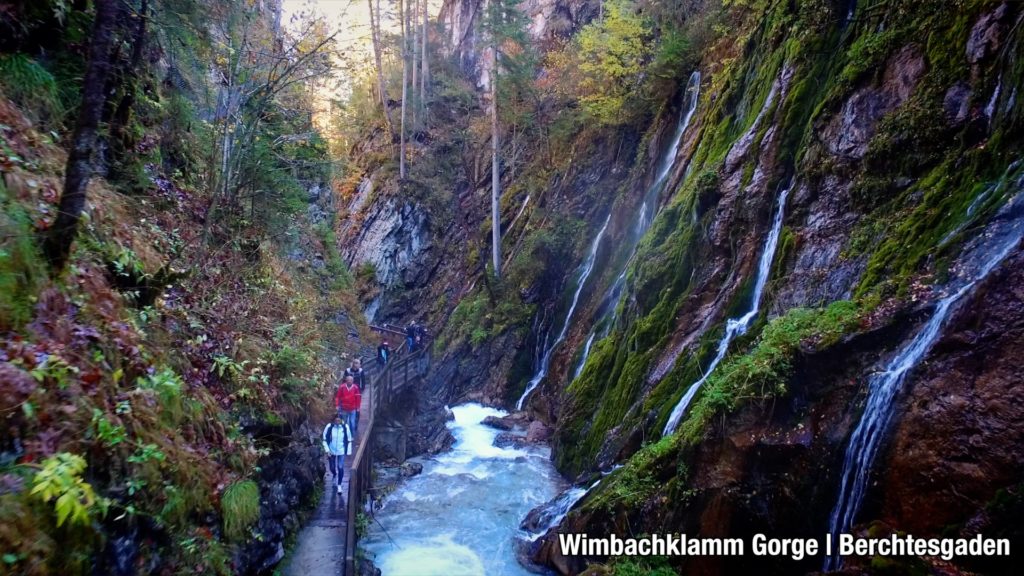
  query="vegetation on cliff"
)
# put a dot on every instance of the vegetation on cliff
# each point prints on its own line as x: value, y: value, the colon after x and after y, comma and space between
x: 143, y: 384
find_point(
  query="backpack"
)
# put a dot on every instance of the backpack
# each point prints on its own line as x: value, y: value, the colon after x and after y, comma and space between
x: 330, y: 433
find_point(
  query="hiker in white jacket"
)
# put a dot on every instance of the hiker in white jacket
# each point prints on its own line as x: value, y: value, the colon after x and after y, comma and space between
x: 338, y: 440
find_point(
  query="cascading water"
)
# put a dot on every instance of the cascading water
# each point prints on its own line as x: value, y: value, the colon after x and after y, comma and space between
x: 999, y: 241
x: 556, y: 510
x: 447, y: 520
x: 586, y: 352
x: 551, y: 514
x: 545, y: 361
x: 989, y: 191
x: 737, y: 326
x: 648, y: 208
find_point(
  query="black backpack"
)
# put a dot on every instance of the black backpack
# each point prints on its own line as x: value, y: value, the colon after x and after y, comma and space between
x: 330, y: 433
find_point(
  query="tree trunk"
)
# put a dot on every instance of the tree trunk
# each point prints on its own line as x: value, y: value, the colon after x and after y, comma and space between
x: 413, y: 30
x: 78, y: 171
x: 375, y: 38
x: 121, y: 141
x: 495, y: 172
x: 423, y: 55
x: 405, y: 87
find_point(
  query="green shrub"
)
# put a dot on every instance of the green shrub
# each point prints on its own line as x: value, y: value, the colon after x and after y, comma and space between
x: 240, y: 507
x: 32, y: 87
x: 60, y: 481
x: 21, y: 265
x: 764, y: 371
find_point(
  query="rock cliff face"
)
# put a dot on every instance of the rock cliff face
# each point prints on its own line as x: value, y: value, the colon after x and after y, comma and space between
x: 896, y: 132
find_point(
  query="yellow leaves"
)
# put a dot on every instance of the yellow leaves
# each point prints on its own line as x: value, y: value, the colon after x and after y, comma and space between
x: 60, y: 480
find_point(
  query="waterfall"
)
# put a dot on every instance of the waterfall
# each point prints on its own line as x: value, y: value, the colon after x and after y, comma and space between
x: 586, y: 353
x: 552, y: 513
x: 649, y: 207
x: 737, y: 326
x: 557, y: 509
x: 588, y: 267
x: 850, y: 12
x: 990, y: 108
x: 1000, y: 185
x: 883, y: 387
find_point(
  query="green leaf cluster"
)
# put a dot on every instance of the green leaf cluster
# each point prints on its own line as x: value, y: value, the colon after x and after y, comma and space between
x: 60, y: 482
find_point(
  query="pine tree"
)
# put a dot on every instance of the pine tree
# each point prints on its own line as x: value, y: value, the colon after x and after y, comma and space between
x: 505, y: 27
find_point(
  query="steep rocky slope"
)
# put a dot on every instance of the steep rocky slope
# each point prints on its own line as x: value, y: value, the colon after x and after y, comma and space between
x: 159, y: 397
x: 891, y: 132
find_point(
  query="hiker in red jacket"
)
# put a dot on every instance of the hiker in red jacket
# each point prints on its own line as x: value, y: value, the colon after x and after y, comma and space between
x: 347, y: 401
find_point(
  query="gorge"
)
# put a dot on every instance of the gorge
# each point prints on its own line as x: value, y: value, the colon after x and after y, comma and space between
x: 760, y: 278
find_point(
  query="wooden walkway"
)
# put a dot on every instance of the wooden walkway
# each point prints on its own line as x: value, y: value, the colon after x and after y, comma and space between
x: 326, y: 544
x: 320, y: 547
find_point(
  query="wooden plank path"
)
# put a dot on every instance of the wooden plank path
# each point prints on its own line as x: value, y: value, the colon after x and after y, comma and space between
x: 320, y: 547
x: 326, y: 544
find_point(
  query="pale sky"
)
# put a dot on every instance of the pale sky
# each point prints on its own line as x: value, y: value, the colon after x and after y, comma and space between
x: 350, y: 18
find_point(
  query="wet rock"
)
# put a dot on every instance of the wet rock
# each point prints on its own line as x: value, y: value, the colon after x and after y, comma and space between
x: 821, y: 272
x: 986, y: 35
x: 410, y: 469
x: 433, y: 441
x: 853, y: 127
x: 500, y: 423
x: 957, y: 103
x: 510, y: 440
x: 538, y: 432
x: 959, y: 437
x: 288, y: 480
x: 367, y: 568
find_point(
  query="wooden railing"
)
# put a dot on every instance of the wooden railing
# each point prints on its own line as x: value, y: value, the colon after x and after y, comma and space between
x: 383, y: 386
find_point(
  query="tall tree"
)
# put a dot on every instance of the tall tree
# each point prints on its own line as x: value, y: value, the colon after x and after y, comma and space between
x: 121, y: 141
x: 414, y: 32
x: 403, y: 18
x: 78, y: 171
x: 381, y: 88
x: 505, y: 27
x: 495, y: 165
x: 425, y: 66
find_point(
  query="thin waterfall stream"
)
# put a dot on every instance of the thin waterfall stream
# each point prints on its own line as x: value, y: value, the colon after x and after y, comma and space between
x: 998, y: 242
x: 648, y: 210
x: 545, y: 361
x: 737, y: 326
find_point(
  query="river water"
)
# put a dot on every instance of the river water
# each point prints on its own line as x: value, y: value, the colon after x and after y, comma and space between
x: 461, y: 515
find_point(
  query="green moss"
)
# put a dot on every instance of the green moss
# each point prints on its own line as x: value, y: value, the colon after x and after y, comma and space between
x: 916, y: 226
x: 240, y: 508
x: 638, y: 479
x: 21, y: 265
x: 655, y: 566
x: 764, y: 371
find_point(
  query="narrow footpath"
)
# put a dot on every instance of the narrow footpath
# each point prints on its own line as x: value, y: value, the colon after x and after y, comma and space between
x: 320, y: 548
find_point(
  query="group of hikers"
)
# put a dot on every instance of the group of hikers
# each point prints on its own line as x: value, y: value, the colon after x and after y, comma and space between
x: 340, y: 434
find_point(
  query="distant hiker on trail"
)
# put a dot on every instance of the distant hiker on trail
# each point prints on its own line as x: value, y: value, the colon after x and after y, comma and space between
x: 338, y: 440
x: 383, y: 353
x: 355, y: 370
x: 414, y: 336
x: 411, y: 332
x: 347, y: 401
